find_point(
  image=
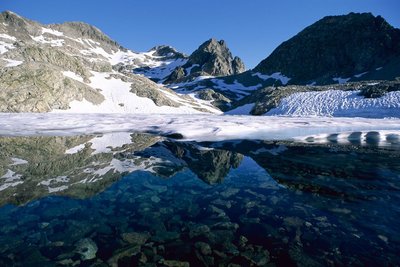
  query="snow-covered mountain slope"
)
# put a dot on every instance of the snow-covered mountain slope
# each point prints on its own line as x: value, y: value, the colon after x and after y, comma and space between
x: 74, y: 67
x: 358, y: 99
x: 156, y: 64
x: 121, y: 96
x: 339, y: 104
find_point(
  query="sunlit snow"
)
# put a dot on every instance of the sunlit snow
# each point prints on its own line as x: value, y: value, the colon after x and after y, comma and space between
x: 276, y: 76
x: 339, y: 104
x: 192, y: 127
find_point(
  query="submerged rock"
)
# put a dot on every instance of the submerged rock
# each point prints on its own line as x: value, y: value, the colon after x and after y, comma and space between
x: 175, y: 263
x: 204, y: 248
x: 199, y: 230
x: 87, y: 248
x: 135, y: 238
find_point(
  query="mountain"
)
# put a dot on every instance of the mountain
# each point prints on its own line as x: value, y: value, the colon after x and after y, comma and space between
x: 212, y: 58
x: 74, y: 67
x: 338, y: 49
x: 350, y: 54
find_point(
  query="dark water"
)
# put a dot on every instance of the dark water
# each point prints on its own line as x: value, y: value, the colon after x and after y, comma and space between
x: 157, y: 202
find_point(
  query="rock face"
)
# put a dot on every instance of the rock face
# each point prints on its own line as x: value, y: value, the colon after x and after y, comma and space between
x: 337, y: 47
x: 36, y: 87
x: 212, y: 58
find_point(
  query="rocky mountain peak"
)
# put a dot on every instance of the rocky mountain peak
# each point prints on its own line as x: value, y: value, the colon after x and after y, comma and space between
x: 334, y: 47
x: 215, y: 58
x: 213, y: 46
x: 9, y: 16
x: 86, y: 31
x: 212, y: 58
x: 166, y: 51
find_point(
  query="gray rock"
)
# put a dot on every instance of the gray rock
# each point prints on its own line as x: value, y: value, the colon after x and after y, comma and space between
x: 177, y: 75
x: 122, y: 253
x: 204, y: 248
x: 175, y: 263
x: 135, y: 238
x: 87, y: 248
x: 143, y: 87
x: 39, y: 87
x: 199, y: 230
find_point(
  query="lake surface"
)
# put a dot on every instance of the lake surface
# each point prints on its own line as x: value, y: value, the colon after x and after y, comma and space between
x: 127, y: 199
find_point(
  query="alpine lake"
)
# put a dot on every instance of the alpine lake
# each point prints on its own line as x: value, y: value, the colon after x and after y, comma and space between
x: 93, y: 200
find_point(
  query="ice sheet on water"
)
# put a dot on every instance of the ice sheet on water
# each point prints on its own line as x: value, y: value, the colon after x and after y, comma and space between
x: 192, y: 127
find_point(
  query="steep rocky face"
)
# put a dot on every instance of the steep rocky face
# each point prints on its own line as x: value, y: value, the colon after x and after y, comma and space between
x: 212, y: 58
x: 338, y: 48
x: 36, y: 87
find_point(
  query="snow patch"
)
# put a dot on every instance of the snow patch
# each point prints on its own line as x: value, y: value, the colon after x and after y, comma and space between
x: 236, y: 87
x: 17, y: 161
x: 73, y: 75
x: 189, y: 69
x: 4, y: 47
x: 53, y: 42
x: 276, y: 76
x: 51, y: 31
x: 11, y: 179
x: 7, y: 185
x: 75, y: 149
x: 11, y: 176
x: 12, y: 63
x: 340, y: 80
x: 161, y: 70
x: 6, y: 36
x: 127, y: 165
x: 103, y: 144
x: 57, y: 189
x: 242, y: 110
x: 360, y: 74
x: 54, y: 181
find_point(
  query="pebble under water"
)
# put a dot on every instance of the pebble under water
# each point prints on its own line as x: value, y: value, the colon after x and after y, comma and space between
x: 159, y: 202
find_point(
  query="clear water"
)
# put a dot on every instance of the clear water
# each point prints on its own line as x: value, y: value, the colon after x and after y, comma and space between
x: 157, y: 202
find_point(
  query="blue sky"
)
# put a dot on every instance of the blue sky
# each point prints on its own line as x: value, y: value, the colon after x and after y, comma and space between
x: 252, y: 28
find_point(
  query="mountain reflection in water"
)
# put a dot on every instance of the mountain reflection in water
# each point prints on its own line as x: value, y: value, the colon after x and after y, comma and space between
x: 139, y: 199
